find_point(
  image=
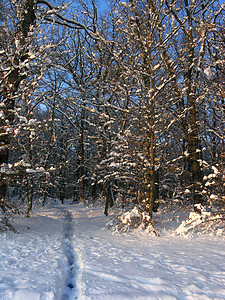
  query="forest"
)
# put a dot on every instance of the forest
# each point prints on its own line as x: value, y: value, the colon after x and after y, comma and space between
x: 124, y: 105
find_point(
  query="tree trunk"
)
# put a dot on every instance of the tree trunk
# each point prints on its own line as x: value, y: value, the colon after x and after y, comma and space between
x: 11, y: 86
x: 109, y: 199
x: 30, y: 191
x: 194, y: 151
x: 82, y: 155
x: 150, y: 168
x: 195, y: 173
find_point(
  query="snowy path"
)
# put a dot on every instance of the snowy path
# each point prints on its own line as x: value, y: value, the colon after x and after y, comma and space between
x: 40, y: 262
x: 32, y: 263
x: 70, y: 290
x: 64, y: 253
x: 131, y: 267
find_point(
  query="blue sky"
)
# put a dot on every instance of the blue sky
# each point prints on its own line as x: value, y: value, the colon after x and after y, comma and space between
x: 102, y: 5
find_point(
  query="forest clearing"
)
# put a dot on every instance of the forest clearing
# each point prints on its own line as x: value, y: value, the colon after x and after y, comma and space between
x: 112, y: 149
x: 36, y: 263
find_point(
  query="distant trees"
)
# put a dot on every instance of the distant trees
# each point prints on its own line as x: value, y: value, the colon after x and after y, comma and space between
x: 163, y: 49
x: 14, y: 61
x: 23, y: 61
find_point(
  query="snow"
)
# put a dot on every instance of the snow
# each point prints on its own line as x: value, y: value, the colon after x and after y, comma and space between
x: 66, y: 252
x: 31, y: 262
x: 32, y: 121
x: 17, y: 43
x: 128, y: 215
x: 30, y: 171
x: 208, y: 72
x: 21, y: 163
x: 215, y: 170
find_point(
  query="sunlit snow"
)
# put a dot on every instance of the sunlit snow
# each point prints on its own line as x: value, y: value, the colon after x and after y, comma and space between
x: 66, y: 252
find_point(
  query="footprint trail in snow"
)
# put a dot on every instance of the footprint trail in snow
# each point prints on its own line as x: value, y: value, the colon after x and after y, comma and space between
x: 70, y: 291
x: 66, y: 254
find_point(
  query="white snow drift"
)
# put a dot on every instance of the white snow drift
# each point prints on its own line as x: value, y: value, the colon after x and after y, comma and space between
x: 34, y: 264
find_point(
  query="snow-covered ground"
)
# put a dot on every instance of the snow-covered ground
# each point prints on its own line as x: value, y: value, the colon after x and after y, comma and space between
x: 65, y: 252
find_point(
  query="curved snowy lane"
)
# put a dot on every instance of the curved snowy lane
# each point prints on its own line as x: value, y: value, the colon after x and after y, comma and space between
x: 39, y: 263
x: 63, y: 252
x: 131, y: 267
x: 70, y: 290
x: 33, y: 263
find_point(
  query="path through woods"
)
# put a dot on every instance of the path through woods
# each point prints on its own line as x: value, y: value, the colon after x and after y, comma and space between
x: 64, y: 252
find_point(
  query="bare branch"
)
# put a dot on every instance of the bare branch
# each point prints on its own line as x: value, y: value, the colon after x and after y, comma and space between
x: 71, y: 23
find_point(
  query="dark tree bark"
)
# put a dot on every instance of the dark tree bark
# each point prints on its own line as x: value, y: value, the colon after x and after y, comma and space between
x: 11, y: 86
x: 109, y: 199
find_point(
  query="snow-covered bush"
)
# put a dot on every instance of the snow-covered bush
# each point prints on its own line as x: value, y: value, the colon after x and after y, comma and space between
x: 203, y: 222
x: 133, y: 219
x: 214, y: 187
x: 5, y: 222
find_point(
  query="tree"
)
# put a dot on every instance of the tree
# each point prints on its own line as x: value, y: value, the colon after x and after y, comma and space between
x: 162, y: 47
x: 17, y: 59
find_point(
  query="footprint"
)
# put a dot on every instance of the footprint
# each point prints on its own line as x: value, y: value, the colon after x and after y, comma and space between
x: 104, y: 276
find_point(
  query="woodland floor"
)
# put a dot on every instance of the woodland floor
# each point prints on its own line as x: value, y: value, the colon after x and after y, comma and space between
x: 66, y: 252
